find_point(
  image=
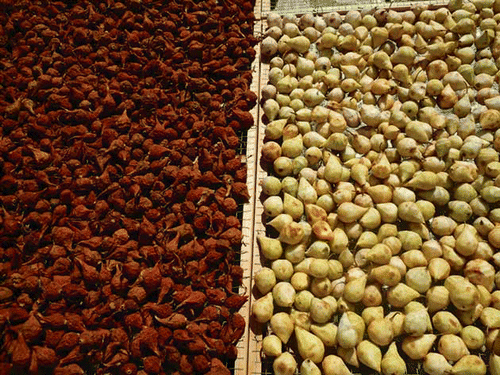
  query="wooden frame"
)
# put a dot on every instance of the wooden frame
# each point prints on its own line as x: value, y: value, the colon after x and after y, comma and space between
x: 249, y: 361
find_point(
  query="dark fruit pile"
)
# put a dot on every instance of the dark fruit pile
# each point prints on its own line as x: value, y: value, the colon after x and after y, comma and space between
x: 120, y: 182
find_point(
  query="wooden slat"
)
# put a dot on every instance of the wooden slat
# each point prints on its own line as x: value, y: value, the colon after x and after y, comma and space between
x: 249, y: 361
x: 343, y: 6
x: 244, y: 363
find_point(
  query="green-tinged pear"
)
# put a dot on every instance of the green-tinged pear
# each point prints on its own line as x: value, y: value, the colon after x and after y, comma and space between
x: 263, y: 308
x: 326, y: 332
x: 392, y: 363
x: 322, y: 231
x: 308, y: 367
x: 410, y: 212
x: 401, y: 294
x: 278, y: 222
x: 469, y: 365
x: 382, y: 61
x: 299, y: 44
x: 425, y: 180
x: 379, y: 36
x: 435, y: 363
x: 349, y: 212
x: 318, y: 250
x: 334, y: 365
x: 315, y: 213
x: 386, y: 275
x: 463, y: 294
x: 293, y: 206
x: 270, y: 247
x: 339, y: 242
x: 379, y: 254
x: 484, y: 39
x: 292, y: 147
x: 349, y: 356
x: 355, y: 289
x: 333, y: 170
x: 367, y: 239
x: 359, y: 173
x: 306, y: 192
x: 463, y: 107
x: 381, y: 168
x: 274, y: 130
x: 282, y: 326
x: 272, y: 346
x: 292, y: 233
x: 494, y: 364
x: 285, y: 364
x: 466, y: 243
x: 347, y: 336
x: 417, y: 347
x: 310, y: 346
x: 406, y: 170
x: 271, y: 109
x: 369, y: 354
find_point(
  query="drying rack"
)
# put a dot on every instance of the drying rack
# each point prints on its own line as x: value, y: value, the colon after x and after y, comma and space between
x: 250, y: 360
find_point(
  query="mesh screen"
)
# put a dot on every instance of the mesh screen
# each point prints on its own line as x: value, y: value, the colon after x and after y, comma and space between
x: 325, y: 6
